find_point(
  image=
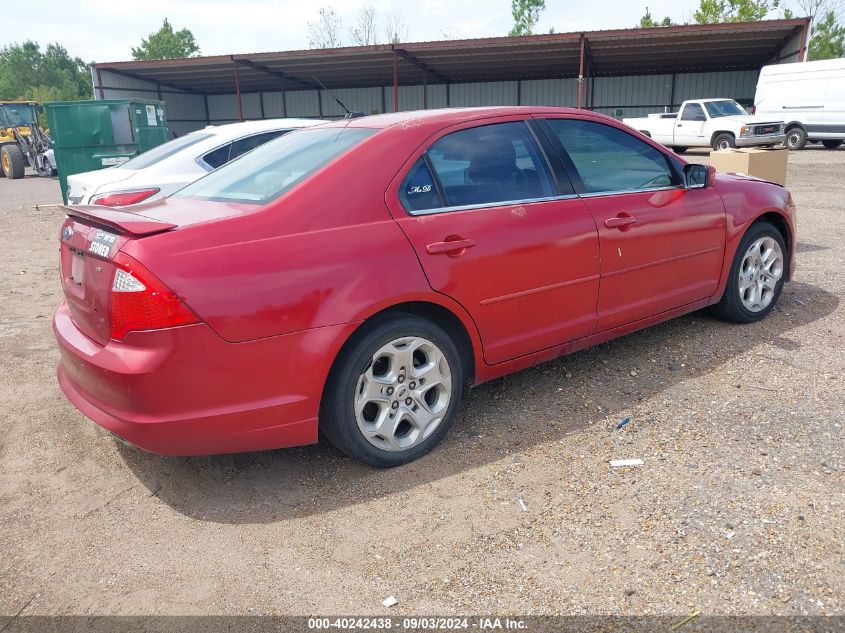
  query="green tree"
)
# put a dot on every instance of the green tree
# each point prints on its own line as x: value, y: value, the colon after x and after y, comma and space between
x: 526, y: 14
x: 166, y: 44
x: 827, y: 40
x: 27, y: 73
x: 647, y: 22
x: 714, y: 11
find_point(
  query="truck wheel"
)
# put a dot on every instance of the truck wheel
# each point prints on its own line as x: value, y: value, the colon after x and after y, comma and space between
x: 832, y: 144
x: 13, y: 161
x: 679, y: 150
x: 724, y: 141
x: 796, y: 138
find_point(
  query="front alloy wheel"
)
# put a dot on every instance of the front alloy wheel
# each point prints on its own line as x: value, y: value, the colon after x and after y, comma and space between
x: 759, y: 274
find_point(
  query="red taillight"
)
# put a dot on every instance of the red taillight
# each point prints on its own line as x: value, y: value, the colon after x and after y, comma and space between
x: 139, y: 301
x: 754, y: 109
x: 123, y: 199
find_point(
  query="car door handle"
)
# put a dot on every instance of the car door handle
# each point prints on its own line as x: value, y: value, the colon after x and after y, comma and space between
x: 620, y: 221
x: 680, y: 125
x: 452, y: 247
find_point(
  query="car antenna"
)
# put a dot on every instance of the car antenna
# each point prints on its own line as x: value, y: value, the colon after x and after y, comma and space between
x: 350, y: 114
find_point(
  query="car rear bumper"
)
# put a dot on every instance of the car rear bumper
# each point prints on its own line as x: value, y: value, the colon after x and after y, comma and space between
x: 753, y: 141
x: 185, y: 391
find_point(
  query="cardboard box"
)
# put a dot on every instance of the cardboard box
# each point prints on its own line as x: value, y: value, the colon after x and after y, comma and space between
x: 767, y: 164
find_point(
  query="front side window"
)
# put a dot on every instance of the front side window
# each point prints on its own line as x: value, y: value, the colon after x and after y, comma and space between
x: 268, y: 171
x: 693, y: 112
x: 608, y: 159
x: 490, y: 164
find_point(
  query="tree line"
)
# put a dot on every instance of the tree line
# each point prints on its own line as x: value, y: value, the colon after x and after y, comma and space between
x: 827, y: 34
x: 29, y: 74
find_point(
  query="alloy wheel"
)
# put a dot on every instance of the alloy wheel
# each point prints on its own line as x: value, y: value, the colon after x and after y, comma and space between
x: 759, y: 274
x: 403, y: 394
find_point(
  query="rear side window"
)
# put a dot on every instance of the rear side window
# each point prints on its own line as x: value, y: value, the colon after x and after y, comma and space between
x: 268, y: 171
x: 165, y: 150
x: 217, y: 157
x: 693, y: 112
x: 491, y: 164
x: 418, y: 191
x: 244, y: 145
x: 609, y: 160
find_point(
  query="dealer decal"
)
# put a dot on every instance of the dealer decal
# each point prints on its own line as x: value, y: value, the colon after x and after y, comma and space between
x: 101, y: 243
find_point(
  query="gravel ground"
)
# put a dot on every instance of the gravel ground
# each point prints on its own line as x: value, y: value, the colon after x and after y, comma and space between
x: 737, y: 510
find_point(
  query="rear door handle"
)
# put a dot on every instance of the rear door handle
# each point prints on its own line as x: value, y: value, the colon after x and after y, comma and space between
x: 620, y: 221
x: 451, y: 247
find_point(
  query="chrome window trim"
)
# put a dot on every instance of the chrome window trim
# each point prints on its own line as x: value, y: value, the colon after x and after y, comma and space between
x: 511, y: 203
x: 617, y: 192
x: 490, y: 205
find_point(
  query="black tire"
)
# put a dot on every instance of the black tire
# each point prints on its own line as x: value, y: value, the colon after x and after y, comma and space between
x: 13, y: 161
x: 645, y: 133
x: 723, y: 141
x: 730, y: 307
x: 796, y: 138
x: 679, y: 150
x: 337, y: 414
x: 832, y: 144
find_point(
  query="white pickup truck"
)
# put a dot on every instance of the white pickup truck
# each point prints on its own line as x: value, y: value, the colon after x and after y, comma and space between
x: 716, y: 123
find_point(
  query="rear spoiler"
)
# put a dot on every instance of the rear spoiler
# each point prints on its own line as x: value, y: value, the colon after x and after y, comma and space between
x: 125, y: 222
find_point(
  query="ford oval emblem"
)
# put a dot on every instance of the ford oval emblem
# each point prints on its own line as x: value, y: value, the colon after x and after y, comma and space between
x: 67, y: 232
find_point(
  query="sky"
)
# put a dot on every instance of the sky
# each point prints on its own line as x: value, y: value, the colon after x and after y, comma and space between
x: 106, y: 30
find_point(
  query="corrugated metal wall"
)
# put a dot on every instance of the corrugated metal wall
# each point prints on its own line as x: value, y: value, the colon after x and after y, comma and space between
x: 617, y: 96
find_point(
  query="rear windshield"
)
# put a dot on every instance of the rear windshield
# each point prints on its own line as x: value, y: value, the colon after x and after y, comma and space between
x: 165, y: 150
x: 727, y: 107
x: 268, y: 171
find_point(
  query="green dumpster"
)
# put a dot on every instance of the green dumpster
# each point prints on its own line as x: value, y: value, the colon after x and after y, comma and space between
x: 89, y: 135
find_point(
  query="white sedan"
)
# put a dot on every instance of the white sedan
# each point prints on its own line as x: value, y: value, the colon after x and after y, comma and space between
x: 162, y: 170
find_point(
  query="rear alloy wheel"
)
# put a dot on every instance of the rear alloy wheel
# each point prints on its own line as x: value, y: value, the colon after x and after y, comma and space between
x: 832, y: 144
x: 724, y: 141
x: 13, y: 161
x: 393, y: 392
x: 796, y: 138
x: 756, y: 277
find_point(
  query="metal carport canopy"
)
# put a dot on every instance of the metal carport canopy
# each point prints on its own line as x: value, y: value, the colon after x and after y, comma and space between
x: 674, y: 49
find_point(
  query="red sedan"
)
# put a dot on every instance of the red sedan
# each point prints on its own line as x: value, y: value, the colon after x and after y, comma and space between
x: 358, y: 275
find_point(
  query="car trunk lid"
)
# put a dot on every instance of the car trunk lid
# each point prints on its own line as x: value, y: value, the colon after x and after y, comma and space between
x: 89, y: 240
x: 81, y: 186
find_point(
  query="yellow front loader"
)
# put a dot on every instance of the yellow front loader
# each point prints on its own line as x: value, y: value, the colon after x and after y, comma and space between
x: 23, y: 142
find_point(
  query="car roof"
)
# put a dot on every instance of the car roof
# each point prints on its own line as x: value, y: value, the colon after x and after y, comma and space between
x: 231, y: 131
x: 444, y: 116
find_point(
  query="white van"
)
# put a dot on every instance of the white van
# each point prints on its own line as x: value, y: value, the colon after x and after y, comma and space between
x: 809, y: 97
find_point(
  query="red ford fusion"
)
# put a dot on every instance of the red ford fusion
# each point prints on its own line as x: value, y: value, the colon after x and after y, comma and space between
x: 357, y: 276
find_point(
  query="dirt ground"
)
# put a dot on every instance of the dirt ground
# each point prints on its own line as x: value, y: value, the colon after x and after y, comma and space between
x: 739, y: 508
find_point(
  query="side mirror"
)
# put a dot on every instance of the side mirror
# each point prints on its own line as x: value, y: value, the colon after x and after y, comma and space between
x: 696, y: 176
